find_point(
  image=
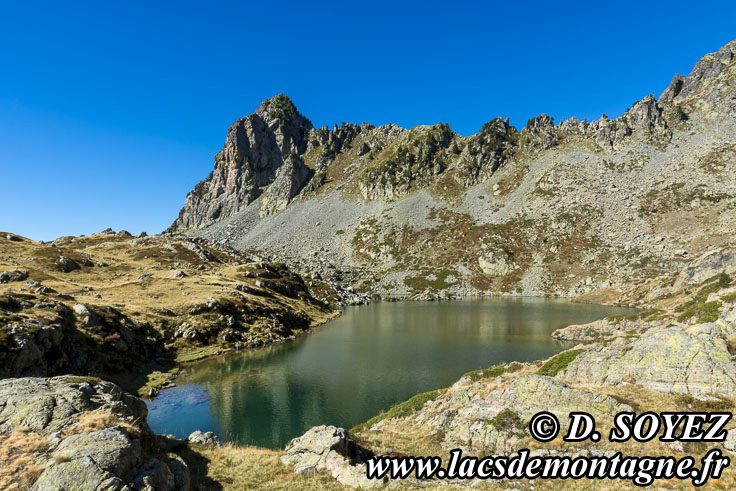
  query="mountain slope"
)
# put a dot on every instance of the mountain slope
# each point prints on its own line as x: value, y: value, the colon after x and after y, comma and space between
x: 557, y: 209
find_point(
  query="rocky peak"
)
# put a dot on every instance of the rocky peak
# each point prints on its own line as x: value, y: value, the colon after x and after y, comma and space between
x: 709, y: 67
x: 255, y: 149
x: 710, y: 89
x: 673, y: 90
x: 487, y: 150
x: 539, y: 133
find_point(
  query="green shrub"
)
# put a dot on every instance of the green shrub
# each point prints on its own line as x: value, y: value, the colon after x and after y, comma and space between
x: 401, y: 410
x: 506, y: 420
x: 493, y: 372
x: 557, y: 363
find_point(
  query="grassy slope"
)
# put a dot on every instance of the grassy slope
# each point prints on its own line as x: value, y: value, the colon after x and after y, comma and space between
x: 157, y: 304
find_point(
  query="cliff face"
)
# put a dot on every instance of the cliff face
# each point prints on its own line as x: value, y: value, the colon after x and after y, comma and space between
x: 558, y: 208
x: 255, y: 150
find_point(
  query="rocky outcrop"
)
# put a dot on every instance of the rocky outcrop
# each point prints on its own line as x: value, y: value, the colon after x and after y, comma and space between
x: 419, y: 157
x: 495, y: 265
x: 95, y: 435
x: 330, y: 449
x: 17, y: 275
x: 59, y: 342
x: 497, y: 422
x: 539, y: 134
x: 693, y: 360
x: 707, y: 266
x: 256, y: 147
x: 708, y: 68
x: 486, y: 151
x: 41, y: 404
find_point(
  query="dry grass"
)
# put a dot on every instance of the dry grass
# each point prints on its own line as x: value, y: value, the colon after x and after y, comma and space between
x: 21, y: 455
x: 237, y: 468
x: 158, y: 304
x: 90, y: 421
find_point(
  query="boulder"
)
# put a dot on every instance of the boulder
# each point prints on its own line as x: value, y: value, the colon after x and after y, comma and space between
x: 78, y: 457
x: 497, y: 422
x: 17, y: 275
x: 155, y: 476
x: 202, y: 438
x: 328, y: 448
x: 67, y: 265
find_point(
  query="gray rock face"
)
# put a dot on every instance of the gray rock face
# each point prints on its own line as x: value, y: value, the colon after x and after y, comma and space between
x: 290, y: 179
x: 155, y: 476
x: 708, y: 68
x: 692, y: 360
x: 706, y: 266
x: 255, y: 148
x: 328, y: 448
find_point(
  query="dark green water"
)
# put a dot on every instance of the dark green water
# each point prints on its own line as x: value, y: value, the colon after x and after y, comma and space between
x: 349, y: 370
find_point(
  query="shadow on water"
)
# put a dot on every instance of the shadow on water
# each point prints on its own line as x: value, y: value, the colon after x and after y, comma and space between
x: 370, y: 358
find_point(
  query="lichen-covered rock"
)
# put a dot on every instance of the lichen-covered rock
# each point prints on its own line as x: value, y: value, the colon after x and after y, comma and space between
x: 328, y: 448
x: 496, y: 422
x: 111, y: 449
x: 530, y: 394
x: 81, y: 474
x: 94, y: 433
x: 691, y: 360
x: 47, y: 404
x: 598, y: 330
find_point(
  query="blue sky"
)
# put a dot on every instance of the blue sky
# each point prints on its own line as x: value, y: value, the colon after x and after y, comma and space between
x: 110, y: 112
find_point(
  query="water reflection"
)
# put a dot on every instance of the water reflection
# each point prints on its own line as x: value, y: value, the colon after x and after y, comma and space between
x: 365, y: 361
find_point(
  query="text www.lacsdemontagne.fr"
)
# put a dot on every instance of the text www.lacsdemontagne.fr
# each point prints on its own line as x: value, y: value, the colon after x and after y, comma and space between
x: 642, y: 471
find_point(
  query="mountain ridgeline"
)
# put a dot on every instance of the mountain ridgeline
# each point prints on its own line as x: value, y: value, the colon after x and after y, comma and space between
x: 552, y: 209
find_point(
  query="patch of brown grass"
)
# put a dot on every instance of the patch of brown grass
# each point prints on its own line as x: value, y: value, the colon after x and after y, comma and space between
x: 234, y: 467
x: 19, y: 459
x: 97, y: 420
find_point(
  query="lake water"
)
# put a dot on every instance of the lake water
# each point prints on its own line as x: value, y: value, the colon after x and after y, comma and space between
x: 349, y: 370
